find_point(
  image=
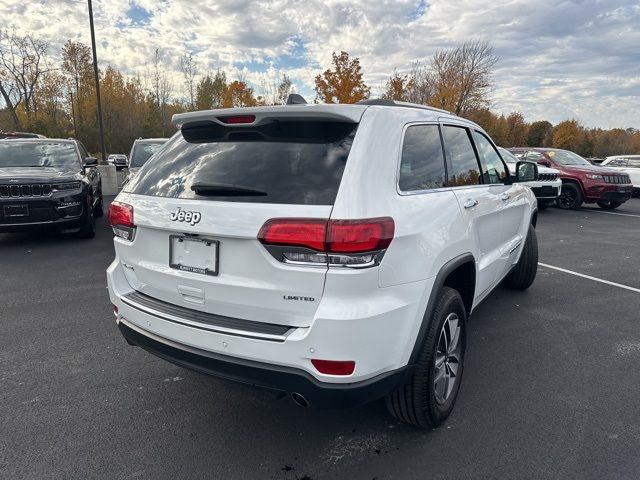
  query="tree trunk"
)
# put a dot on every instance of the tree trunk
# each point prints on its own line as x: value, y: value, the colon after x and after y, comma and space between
x: 12, y: 110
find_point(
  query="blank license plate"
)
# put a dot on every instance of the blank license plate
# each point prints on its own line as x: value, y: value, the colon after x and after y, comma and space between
x: 193, y: 254
x: 16, y: 210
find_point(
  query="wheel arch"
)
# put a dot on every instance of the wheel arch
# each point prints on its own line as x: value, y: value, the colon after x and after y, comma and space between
x: 458, y: 273
x: 576, y: 181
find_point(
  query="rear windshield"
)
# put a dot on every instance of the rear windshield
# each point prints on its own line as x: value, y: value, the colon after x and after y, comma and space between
x: 286, y: 162
x: 143, y: 151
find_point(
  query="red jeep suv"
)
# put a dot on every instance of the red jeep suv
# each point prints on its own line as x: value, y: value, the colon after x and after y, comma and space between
x: 582, y: 182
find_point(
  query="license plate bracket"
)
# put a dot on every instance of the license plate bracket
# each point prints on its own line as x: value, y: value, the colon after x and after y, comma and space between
x: 194, y: 254
x: 16, y: 210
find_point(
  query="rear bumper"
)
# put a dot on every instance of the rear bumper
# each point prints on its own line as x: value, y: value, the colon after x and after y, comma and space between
x: 261, y: 375
x: 378, y: 332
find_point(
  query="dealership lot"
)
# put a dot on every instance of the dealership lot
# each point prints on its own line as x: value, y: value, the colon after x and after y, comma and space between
x: 551, y: 381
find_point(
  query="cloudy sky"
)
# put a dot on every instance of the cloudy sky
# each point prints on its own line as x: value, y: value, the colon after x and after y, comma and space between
x: 558, y: 59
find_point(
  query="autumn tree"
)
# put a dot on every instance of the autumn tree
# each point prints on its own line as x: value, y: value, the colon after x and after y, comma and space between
x: 397, y: 87
x: 343, y: 84
x: 161, y: 89
x: 238, y: 94
x: 568, y: 135
x: 540, y: 134
x: 462, y: 77
x: 518, y: 129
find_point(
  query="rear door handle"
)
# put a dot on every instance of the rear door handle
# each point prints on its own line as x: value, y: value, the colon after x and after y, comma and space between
x: 505, y: 196
x: 470, y: 203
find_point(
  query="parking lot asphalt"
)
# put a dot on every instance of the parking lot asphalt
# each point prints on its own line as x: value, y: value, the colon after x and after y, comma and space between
x: 551, y: 387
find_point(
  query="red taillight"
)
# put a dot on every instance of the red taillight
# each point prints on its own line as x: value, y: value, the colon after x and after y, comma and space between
x: 238, y: 119
x: 359, y: 236
x: 121, y: 214
x: 121, y: 220
x: 299, y: 232
x: 334, y: 367
x: 333, y: 236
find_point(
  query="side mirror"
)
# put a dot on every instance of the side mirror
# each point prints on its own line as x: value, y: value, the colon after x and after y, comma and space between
x: 544, y: 163
x: 90, y: 162
x: 526, y: 172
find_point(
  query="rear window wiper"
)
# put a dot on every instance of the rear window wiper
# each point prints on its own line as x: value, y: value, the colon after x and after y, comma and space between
x: 223, y: 189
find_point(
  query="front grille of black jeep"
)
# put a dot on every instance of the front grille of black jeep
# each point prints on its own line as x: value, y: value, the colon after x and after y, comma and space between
x: 25, y: 190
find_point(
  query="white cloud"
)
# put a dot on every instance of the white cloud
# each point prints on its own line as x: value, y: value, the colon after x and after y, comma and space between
x: 557, y: 59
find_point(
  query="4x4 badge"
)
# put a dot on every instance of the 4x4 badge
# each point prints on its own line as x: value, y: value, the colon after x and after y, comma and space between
x: 182, y: 216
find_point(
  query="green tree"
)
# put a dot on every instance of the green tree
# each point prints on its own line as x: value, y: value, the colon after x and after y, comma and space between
x: 540, y: 134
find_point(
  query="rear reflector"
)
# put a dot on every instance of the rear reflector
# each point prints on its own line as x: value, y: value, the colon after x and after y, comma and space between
x: 238, y: 119
x: 333, y: 367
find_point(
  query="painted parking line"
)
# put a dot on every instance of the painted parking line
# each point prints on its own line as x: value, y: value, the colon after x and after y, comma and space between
x: 614, y: 213
x: 595, y: 279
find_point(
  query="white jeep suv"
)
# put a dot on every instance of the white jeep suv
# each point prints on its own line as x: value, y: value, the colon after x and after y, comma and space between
x: 333, y: 252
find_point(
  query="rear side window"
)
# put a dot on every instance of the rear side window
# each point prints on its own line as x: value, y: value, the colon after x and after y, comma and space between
x: 422, y: 163
x: 285, y: 162
x: 494, y: 171
x: 462, y: 162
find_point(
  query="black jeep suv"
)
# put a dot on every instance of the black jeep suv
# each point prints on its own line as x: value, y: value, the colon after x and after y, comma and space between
x: 49, y: 183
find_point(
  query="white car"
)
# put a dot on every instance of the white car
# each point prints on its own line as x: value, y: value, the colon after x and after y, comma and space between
x: 326, y: 251
x: 119, y: 160
x: 630, y: 164
x: 547, y: 188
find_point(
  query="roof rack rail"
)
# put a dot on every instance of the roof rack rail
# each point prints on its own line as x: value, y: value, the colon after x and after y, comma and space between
x: 392, y: 103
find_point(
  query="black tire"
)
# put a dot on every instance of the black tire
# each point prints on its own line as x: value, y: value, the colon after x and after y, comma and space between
x: 417, y: 402
x: 98, y: 211
x: 88, y: 228
x: 609, y: 205
x: 571, y: 197
x: 542, y: 205
x: 525, y: 271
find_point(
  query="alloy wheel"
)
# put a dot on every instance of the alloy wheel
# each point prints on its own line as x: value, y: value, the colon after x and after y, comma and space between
x: 567, y: 198
x: 448, y: 358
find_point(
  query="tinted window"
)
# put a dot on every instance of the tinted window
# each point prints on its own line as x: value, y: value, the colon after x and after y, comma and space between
x: 38, y: 154
x: 83, y: 151
x: 633, y: 162
x: 422, y: 164
x: 143, y: 151
x: 461, y: 158
x: 565, y: 157
x: 283, y: 162
x: 534, y: 156
x: 493, y: 170
x: 507, y: 156
x: 618, y: 162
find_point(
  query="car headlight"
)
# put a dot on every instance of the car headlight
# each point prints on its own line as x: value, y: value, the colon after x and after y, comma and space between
x: 594, y: 177
x: 67, y: 186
